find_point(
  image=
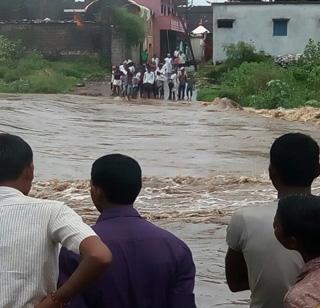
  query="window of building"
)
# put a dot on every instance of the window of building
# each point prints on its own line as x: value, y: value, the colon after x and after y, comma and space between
x: 164, y: 10
x: 225, y: 23
x: 161, y: 8
x: 280, y: 27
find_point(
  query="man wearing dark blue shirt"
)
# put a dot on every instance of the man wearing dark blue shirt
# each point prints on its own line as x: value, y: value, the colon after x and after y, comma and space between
x: 151, y: 267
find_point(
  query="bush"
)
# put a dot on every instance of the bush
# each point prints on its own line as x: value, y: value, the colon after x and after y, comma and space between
x: 32, y: 61
x: 236, y: 55
x: 311, y: 55
x: 49, y: 81
x: 214, y: 75
x: 131, y: 26
x: 250, y: 79
x: 11, y: 75
x: 243, y: 52
x: 253, y: 79
x: 277, y: 94
x: 9, y: 50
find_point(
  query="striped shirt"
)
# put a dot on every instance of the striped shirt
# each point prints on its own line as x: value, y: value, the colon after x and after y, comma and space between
x: 31, y: 231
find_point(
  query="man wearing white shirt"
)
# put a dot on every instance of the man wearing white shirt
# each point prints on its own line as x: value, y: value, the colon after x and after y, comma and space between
x: 155, y: 61
x: 148, y: 81
x: 31, y: 232
x: 168, y: 65
x: 160, y: 79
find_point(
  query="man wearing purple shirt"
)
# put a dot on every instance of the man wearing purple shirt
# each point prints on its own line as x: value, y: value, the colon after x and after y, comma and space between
x: 151, y: 267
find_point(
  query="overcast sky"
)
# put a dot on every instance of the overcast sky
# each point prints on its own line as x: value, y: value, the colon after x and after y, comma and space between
x: 200, y: 2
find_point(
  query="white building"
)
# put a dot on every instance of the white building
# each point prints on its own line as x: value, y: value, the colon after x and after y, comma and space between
x: 278, y: 28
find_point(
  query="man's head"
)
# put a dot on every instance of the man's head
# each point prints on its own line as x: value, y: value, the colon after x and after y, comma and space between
x: 115, y: 180
x: 294, y: 161
x: 16, y: 163
x: 297, y: 224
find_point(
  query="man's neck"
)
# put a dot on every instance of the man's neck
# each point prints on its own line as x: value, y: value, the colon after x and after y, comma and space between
x: 112, y: 206
x: 289, y: 191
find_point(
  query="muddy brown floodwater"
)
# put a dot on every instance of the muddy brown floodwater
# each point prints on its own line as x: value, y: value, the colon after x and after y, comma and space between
x: 200, y: 164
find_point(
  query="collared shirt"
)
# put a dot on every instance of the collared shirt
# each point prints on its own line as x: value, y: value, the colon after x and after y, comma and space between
x: 150, y: 268
x: 306, y: 292
x: 149, y: 77
x: 272, y: 269
x: 31, y: 231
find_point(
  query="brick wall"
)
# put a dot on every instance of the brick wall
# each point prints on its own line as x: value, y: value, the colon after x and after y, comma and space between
x: 121, y: 52
x: 59, y: 39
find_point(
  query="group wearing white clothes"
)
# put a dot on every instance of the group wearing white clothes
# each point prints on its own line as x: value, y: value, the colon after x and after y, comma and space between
x: 154, y: 78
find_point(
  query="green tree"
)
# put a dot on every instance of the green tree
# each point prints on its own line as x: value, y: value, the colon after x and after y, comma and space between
x: 130, y: 26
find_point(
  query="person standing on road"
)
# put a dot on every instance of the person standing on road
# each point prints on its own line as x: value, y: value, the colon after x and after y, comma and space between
x: 161, y: 80
x: 31, y: 232
x: 190, y: 87
x: 182, y: 83
x: 148, y: 81
x: 182, y: 59
x: 117, y: 81
x: 168, y: 65
x: 173, y: 85
x: 155, y: 61
x: 129, y: 93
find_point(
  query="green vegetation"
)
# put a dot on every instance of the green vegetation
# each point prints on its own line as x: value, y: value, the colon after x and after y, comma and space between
x: 131, y: 26
x: 26, y: 72
x: 253, y: 79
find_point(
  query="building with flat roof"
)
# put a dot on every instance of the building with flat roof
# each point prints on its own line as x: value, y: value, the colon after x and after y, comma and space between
x: 278, y: 28
x: 168, y: 31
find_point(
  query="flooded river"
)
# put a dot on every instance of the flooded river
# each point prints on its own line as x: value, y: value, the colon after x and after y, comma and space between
x: 199, y: 164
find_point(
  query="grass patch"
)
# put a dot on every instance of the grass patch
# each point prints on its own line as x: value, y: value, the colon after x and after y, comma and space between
x: 34, y: 74
x: 207, y: 94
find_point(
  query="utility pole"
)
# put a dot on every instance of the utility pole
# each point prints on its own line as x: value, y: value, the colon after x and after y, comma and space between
x: 187, y: 4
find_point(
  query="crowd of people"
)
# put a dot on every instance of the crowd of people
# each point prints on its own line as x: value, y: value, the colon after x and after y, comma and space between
x: 153, y: 79
x: 124, y: 261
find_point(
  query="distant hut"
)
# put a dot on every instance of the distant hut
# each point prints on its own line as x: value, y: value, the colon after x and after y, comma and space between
x: 201, y: 40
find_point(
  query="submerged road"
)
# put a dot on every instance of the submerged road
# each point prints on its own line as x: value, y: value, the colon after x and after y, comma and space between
x: 68, y: 132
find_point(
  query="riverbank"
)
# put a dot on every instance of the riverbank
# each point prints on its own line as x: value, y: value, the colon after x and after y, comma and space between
x: 303, y: 114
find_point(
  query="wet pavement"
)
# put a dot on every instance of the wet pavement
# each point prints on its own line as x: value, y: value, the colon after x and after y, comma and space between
x: 200, y: 164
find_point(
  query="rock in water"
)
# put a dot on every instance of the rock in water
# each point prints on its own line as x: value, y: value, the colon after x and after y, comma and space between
x: 224, y: 104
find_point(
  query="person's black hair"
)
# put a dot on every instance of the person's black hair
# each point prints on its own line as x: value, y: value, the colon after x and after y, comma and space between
x: 300, y: 218
x: 119, y: 176
x: 15, y: 156
x: 295, y: 157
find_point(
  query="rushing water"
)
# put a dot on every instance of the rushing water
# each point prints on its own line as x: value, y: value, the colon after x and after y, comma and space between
x: 200, y: 164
